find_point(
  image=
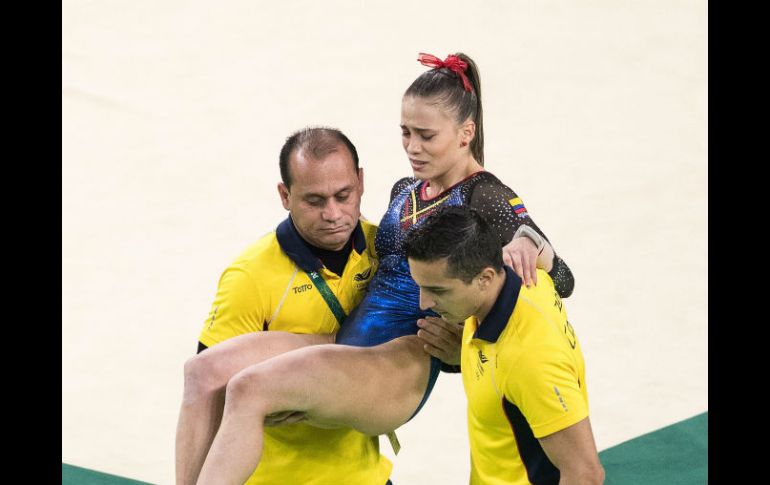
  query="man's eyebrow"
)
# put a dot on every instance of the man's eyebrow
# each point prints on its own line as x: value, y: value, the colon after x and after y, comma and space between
x: 433, y: 288
x: 323, y: 196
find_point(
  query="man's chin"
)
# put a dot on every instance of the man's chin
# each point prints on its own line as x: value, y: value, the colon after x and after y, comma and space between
x: 452, y: 319
x: 334, y: 242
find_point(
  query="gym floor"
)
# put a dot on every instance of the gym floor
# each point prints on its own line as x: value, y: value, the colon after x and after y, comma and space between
x: 173, y: 115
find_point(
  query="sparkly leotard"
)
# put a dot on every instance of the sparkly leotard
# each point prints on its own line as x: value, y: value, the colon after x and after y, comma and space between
x: 391, y: 309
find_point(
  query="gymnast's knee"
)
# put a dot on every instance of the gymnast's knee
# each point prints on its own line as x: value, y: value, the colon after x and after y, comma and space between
x: 248, y: 387
x: 202, y: 376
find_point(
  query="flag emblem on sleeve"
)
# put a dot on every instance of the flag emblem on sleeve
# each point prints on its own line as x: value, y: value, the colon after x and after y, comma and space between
x: 518, y: 207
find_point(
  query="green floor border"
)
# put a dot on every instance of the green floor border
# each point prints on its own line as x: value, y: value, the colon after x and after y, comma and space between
x: 75, y: 475
x: 674, y: 455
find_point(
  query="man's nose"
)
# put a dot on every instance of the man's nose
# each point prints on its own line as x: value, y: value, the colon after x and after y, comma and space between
x: 332, y: 211
x: 426, y: 303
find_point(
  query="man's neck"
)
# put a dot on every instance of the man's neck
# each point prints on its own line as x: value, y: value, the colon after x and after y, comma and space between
x: 329, y: 252
x: 334, y: 260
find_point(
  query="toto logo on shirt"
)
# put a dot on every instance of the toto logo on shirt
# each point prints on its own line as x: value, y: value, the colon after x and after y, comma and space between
x: 301, y: 288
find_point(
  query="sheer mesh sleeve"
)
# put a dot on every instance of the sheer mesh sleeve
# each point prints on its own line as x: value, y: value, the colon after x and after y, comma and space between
x: 562, y: 277
x: 399, y: 186
x: 505, y: 211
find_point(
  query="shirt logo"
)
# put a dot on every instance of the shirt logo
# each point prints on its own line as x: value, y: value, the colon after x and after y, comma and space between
x: 301, y: 288
x: 364, y: 275
x: 482, y: 358
x: 213, y: 317
x: 361, y: 280
x: 569, y: 332
x: 561, y: 399
x: 480, y: 364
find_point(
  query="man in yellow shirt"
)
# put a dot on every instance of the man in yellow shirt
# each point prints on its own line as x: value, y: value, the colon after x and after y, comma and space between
x: 521, y: 362
x: 303, y: 278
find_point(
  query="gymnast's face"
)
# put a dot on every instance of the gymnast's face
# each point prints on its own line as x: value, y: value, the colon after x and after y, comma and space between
x: 450, y: 297
x: 324, y: 198
x: 434, y: 141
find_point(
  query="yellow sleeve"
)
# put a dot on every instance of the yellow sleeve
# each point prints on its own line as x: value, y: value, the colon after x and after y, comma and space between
x: 238, y: 308
x: 544, y: 386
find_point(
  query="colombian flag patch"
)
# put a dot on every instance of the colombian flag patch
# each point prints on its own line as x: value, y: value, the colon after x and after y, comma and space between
x: 518, y: 207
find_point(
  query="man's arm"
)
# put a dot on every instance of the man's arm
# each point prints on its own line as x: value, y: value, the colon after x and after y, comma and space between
x: 573, y: 451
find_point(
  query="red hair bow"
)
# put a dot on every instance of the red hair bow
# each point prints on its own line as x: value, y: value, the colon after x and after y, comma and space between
x: 452, y: 62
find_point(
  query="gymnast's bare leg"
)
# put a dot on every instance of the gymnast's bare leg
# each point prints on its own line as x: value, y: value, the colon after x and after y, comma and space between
x: 205, y: 378
x: 372, y: 389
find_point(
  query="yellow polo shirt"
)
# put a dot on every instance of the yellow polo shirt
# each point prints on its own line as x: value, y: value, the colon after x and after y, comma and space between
x: 267, y: 288
x: 524, y: 377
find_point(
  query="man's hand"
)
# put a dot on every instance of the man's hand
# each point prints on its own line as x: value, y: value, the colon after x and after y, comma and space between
x: 521, y: 255
x: 442, y: 339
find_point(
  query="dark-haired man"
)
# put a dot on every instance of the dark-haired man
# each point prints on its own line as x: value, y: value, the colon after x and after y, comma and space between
x: 521, y: 362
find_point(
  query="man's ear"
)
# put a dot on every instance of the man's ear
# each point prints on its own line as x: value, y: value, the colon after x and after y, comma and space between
x: 361, y: 179
x: 283, y: 191
x: 485, y: 277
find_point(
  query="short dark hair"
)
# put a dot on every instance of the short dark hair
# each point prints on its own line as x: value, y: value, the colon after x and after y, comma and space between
x: 318, y: 142
x: 460, y: 234
x: 447, y: 87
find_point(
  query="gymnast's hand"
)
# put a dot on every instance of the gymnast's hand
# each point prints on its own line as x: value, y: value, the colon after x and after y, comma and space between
x: 521, y: 255
x: 442, y: 339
